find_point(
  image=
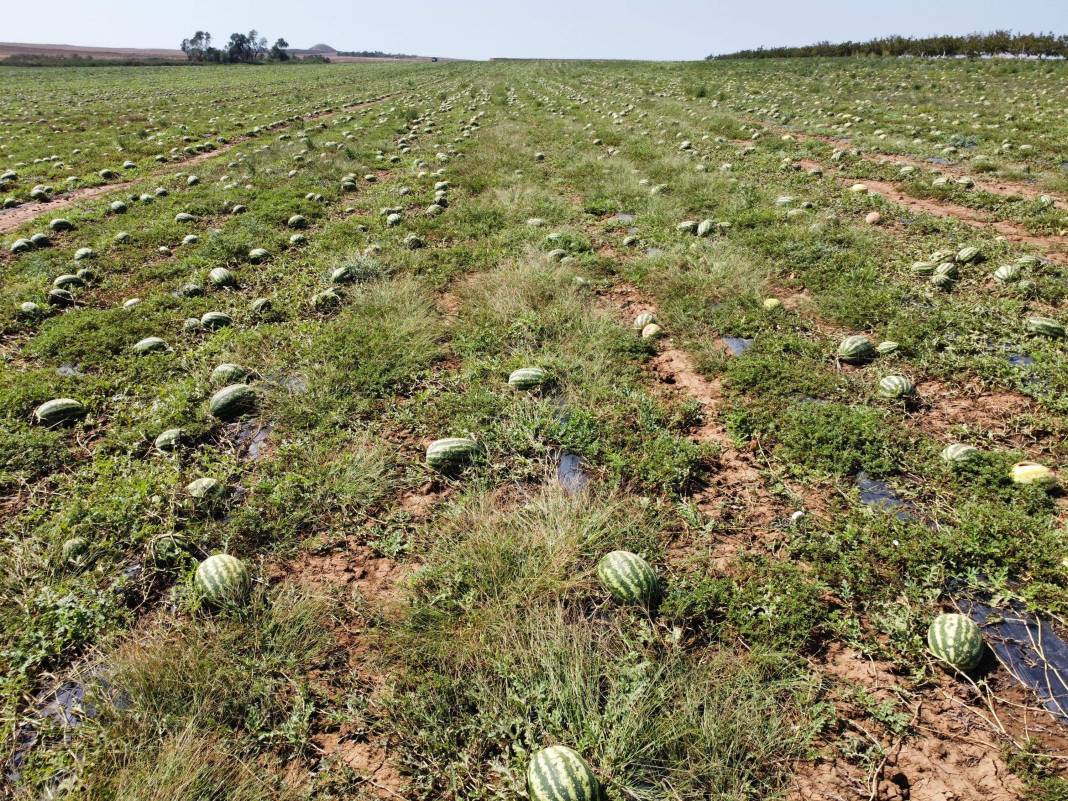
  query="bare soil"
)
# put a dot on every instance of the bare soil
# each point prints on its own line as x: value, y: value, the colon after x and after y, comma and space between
x: 1054, y: 247
x: 952, y: 752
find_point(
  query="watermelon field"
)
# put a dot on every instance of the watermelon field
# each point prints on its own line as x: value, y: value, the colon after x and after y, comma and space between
x: 535, y: 430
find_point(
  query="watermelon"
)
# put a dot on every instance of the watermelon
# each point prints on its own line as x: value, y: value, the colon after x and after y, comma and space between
x: 968, y: 255
x: 326, y: 300
x: 923, y: 267
x: 557, y: 773
x: 29, y: 310
x: 1033, y: 473
x: 81, y: 254
x: 59, y: 412
x: 628, y: 577
x: 256, y: 255
x: 215, y: 320
x: 444, y: 453
x: 261, y: 306
x: 184, y: 217
x: 67, y: 280
x: 21, y: 246
x: 706, y: 228
x: 652, y: 331
x: 895, y: 387
x: 526, y: 378
x: 644, y: 319
x: 857, y: 349
x: 297, y: 221
x: 60, y: 224
x: 222, y: 580
x: 1007, y: 273
x: 887, y: 347
x: 957, y: 641
x: 232, y: 401
x: 221, y: 277
x: 170, y: 439
x: 1046, y: 326
x: 228, y: 373
x: 959, y: 452
x: 60, y: 297
x: 149, y: 345
x: 74, y: 549
x: 203, y: 488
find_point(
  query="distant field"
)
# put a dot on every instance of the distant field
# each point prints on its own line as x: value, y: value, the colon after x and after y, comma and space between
x: 419, y: 351
x: 8, y: 49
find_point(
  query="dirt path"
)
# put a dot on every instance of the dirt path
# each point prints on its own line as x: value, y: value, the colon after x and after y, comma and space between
x: 1004, y: 188
x: 1054, y: 247
x: 11, y: 219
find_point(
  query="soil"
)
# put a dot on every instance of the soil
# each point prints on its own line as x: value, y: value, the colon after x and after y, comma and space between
x: 368, y: 760
x: 736, y: 490
x: 1054, y: 247
x: 10, y: 219
x: 1001, y: 187
x: 1001, y: 416
x: 952, y: 752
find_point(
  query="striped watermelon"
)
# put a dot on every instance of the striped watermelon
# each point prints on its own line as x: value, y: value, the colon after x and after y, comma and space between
x: 652, y: 331
x: 232, y: 401
x: 1046, y: 326
x: 957, y: 641
x: 214, y: 320
x: 628, y: 577
x: 221, y: 277
x: 228, y: 373
x: 644, y: 319
x: 558, y: 773
x: 444, y: 453
x: 948, y: 269
x: 887, y: 347
x: 526, y: 378
x: 895, y: 387
x: 923, y: 267
x: 1007, y: 273
x: 968, y: 255
x: 857, y: 349
x: 59, y: 411
x: 222, y: 579
x: 958, y: 452
x: 149, y: 345
x: 170, y: 439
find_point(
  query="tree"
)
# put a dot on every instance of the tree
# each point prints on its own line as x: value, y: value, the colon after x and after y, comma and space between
x: 279, y: 50
x: 240, y: 49
x: 257, y: 45
x: 197, y: 48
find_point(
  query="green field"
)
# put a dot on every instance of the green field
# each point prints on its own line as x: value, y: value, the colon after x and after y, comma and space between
x: 396, y: 240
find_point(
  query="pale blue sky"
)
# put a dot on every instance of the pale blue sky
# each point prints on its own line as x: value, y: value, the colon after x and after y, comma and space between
x: 669, y: 29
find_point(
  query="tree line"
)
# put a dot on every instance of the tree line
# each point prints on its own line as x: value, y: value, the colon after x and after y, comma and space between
x: 243, y: 48
x: 972, y: 45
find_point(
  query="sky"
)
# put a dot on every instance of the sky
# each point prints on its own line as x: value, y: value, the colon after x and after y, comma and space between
x: 663, y: 30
